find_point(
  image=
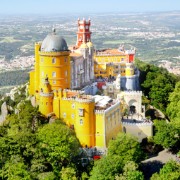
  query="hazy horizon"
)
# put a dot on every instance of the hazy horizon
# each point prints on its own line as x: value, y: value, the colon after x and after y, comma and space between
x: 49, y: 7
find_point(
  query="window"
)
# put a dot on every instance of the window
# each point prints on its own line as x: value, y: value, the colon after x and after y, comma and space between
x: 53, y: 60
x: 72, y: 116
x: 66, y: 73
x: 65, y: 59
x: 81, y: 112
x: 81, y: 122
x: 122, y: 59
x: 54, y: 82
x: 42, y: 60
x: 42, y: 74
x: 73, y: 106
x: 53, y: 74
x: 64, y: 115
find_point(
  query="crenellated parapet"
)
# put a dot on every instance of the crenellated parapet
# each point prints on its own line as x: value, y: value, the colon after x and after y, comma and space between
x: 46, y: 94
x: 132, y: 93
x: 80, y: 100
x: 60, y: 53
x: 143, y: 123
x: 100, y: 112
x: 117, y: 104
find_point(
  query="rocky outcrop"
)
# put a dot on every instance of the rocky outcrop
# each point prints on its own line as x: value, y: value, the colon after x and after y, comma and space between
x: 21, y: 91
x: 4, y: 112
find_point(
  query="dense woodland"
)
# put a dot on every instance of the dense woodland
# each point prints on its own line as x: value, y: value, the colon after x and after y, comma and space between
x: 10, y: 78
x: 31, y: 147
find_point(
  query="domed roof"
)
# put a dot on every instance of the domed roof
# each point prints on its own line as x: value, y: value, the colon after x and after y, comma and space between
x: 90, y: 44
x: 54, y: 43
x: 83, y: 45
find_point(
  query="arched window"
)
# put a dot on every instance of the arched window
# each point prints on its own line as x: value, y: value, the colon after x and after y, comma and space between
x: 53, y: 74
x: 81, y: 122
x: 53, y: 60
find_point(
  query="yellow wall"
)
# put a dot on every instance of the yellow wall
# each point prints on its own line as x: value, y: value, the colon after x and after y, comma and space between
x: 85, y: 125
x: 100, y: 130
x: 68, y: 109
x: 56, y: 66
x: 113, y: 123
x: 36, y: 82
x: 110, y: 58
x: 46, y: 104
x: 108, y: 125
x: 103, y: 68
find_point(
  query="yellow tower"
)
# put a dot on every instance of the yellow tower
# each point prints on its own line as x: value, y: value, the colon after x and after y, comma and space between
x: 85, y: 122
x: 54, y: 62
x: 129, y: 71
x: 46, y: 98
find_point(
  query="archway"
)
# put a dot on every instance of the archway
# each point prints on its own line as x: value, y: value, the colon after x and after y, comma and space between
x: 132, y: 109
x: 133, y: 106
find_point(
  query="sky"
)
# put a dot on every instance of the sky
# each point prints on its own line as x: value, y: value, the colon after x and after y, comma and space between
x: 85, y: 6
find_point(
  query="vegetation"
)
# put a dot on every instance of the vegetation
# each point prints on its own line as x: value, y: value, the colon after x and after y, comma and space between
x: 156, y: 83
x: 130, y: 172
x: 162, y: 89
x: 170, y: 171
x: 167, y: 134
x: 10, y: 78
x: 173, y: 108
x: 124, y: 149
x: 31, y: 149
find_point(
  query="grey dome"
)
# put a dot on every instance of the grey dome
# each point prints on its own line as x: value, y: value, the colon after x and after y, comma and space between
x: 54, y: 43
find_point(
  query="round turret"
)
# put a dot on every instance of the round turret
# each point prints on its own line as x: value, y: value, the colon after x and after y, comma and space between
x: 54, y: 43
x: 90, y: 44
x: 83, y: 46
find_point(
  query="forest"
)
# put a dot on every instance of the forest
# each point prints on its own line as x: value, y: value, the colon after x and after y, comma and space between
x: 33, y: 147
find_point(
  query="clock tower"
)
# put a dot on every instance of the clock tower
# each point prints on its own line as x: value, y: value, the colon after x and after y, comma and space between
x: 84, y: 33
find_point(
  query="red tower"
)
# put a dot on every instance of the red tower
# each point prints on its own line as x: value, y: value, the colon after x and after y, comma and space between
x: 84, y: 33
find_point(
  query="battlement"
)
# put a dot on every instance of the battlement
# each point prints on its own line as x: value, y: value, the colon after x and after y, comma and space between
x: 137, y: 123
x: 38, y: 43
x: 79, y: 100
x: 46, y: 94
x: 130, y: 51
x: 72, y: 90
x: 133, y: 93
x: 84, y: 22
x: 117, y: 104
x: 99, y: 111
x: 54, y: 53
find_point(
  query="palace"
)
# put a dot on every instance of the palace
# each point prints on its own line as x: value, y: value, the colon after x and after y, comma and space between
x: 60, y: 73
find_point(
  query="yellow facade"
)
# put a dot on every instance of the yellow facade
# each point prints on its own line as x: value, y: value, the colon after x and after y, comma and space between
x: 112, y: 65
x: 77, y: 113
x: 55, y: 66
x: 108, y: 124
x: 46, y: 98
x: 100, y: 130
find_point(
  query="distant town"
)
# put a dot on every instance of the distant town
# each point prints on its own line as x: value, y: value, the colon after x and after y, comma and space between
x: 18, y: 63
